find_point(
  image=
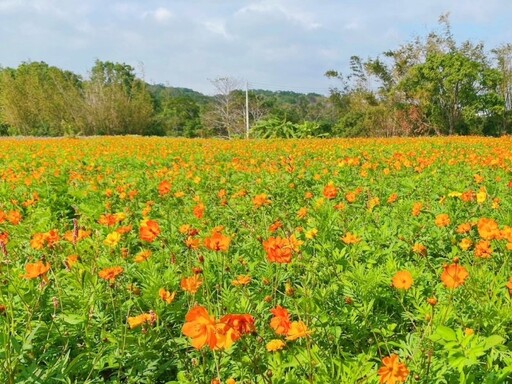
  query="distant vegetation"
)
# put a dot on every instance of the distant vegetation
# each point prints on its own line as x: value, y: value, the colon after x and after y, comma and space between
x: 430, y: 86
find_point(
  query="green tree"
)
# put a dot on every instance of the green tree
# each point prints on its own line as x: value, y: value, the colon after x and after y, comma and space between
x: 38, y: 99
x: 116, y: 102
x: 180, y: 116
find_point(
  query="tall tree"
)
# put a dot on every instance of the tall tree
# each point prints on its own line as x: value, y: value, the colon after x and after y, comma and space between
x: 226, y: 114
x: 116, y: 101
x: 38, y: 99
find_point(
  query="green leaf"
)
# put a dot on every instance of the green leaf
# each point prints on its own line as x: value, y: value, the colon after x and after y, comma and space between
x: 446, y: 333
x: 493, y: 341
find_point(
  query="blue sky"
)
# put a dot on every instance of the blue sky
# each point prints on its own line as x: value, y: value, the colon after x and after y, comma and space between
x: 279, y: 44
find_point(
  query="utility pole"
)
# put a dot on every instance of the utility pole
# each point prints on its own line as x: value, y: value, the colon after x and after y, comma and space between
x: 246, y: 109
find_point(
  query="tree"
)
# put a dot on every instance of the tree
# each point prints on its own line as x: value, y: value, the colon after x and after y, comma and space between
x: 427, y: 86
x: 38, y: 99
x: 226, y: 114
x: 116, y: 101
x: 180, y: 116
x: 503, y: 58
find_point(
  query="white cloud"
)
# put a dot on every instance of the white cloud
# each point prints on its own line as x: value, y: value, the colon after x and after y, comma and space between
x: 218, y: 27
x: 287, y: 12
x: 160, y: 15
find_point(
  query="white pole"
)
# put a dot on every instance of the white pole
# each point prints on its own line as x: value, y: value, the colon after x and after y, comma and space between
x: 246, y: 109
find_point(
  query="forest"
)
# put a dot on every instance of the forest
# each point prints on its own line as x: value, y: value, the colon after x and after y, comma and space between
x: 432, y: 85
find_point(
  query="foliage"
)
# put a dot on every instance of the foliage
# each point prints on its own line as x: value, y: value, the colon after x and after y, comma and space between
x: 427, y: 86
x: 274, y: 127
x: 305, y: 260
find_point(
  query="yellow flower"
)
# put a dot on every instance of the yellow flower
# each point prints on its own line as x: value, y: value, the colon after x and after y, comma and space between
x: 275, y: 345
x: 112, y: 239
x: 481, y: 196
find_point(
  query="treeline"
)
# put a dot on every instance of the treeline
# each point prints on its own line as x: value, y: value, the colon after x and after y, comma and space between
x: 37, y: 99
x: 429, y: 86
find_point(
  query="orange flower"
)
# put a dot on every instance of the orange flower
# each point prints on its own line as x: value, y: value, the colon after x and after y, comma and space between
x: 35, y: 270
x: 463, y: 228
x: 454, y: 276
x: 280, y: 323
x: 297, y: 330
x: 506, y: 233
x: 71, y: 260
x: 275, y: 226
x: 416, y: 209
x: 201, y: 328
x: 241, y: 280
x: 217, y: 241
x: 192, y: 242
x: 350, y: 238
x: 442, y: 220
x: 225, y: 335
x: 278, y: 250
x: 80, y: 235
x: 199, y: 210
x: 261, y: 200
x: 52, y: 237
x: 419, y: 249
x: 330, y: 191
x: 191, y: 284
x: 14, y: 217
x: 372, y: 203
x: 149, y: 230
x: 468, y: 196
x: 509, y: 286
x: 240, y: 324
x: 302, y: 213
x: 339, y: 207
x: 392, y: 371
x: 488, y: 229
x: 483, y: 249
x: 402, y: 280
x: 351, y: 197
x: 109, y: 220
x: 275, y: 345
x: 166, y: 296
x: 37, y: 241
x: 144, y: 318
x: 142, y: 256
x: 164, y: 188
x: 4, y: 237
x: 392, y: 198
x: 123, y: 230
x: 110, y: 274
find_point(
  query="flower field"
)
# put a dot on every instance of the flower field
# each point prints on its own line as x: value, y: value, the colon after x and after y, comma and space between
x: 150, y: 260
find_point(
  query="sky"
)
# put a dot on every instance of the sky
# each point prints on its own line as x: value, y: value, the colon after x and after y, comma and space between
x: 275, y: 45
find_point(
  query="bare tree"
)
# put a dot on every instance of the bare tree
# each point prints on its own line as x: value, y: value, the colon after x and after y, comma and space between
x: 226, y: 115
